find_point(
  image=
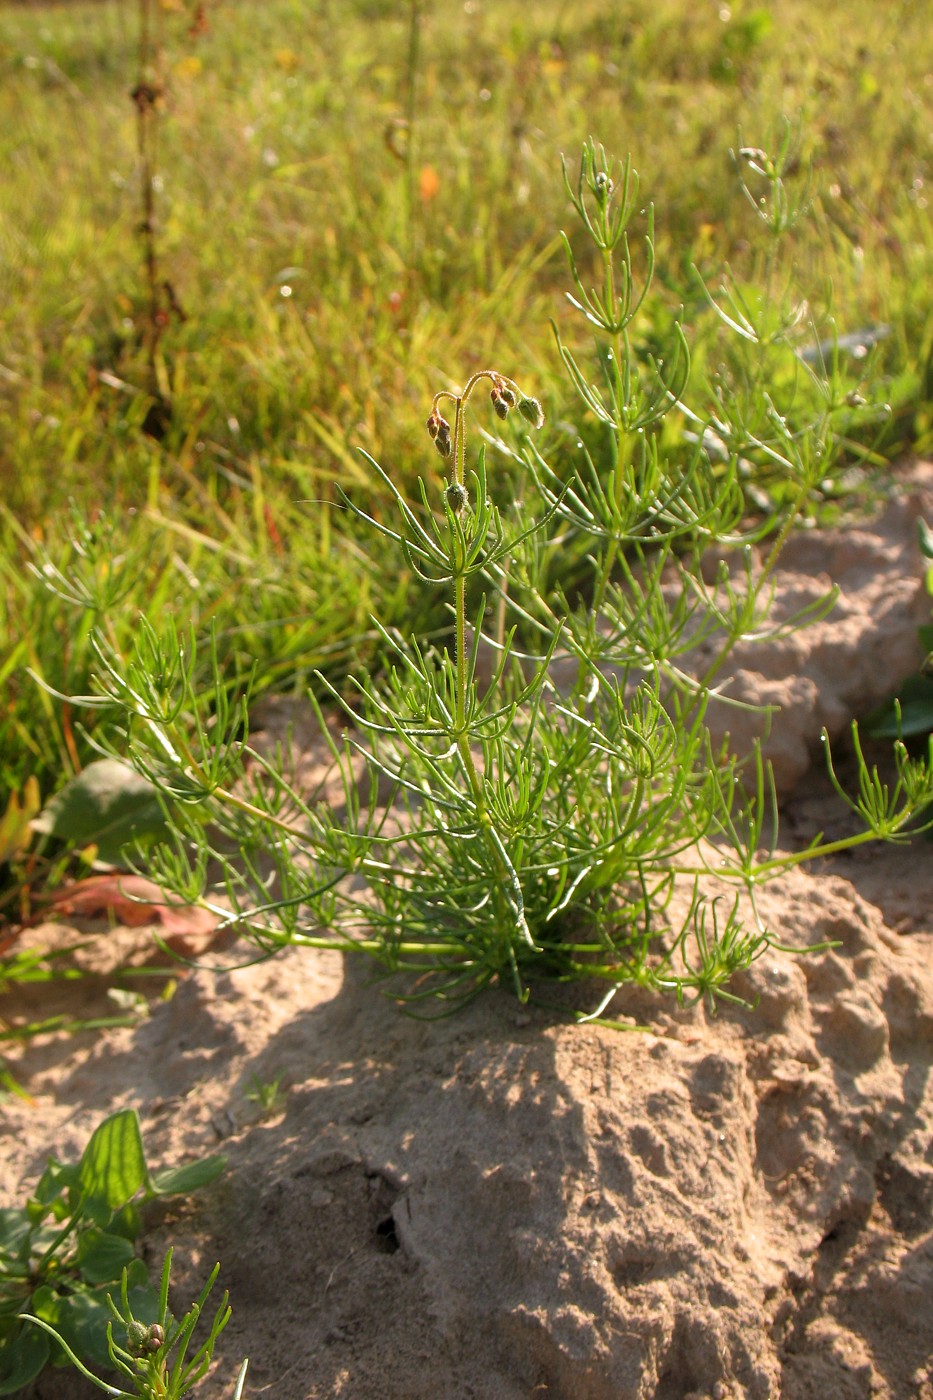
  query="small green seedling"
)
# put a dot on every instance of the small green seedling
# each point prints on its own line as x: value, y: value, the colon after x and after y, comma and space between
x: 73, y: 1242
x: 152, y: 1355
x: 268, y: 1096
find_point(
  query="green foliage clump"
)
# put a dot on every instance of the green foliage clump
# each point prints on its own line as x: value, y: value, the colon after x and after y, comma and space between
x: 224, y: 251
x: 153, y: 1356
x: 72, y: 1244
x: 535, y: 795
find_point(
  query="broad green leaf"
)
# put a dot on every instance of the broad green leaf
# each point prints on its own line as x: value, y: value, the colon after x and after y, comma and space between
x: 127, y: 1222
x: 113, y: 1166
x: 14, y: 1227
x: 22, y: 1359
x: 57, y: 1177
x: 81, y: 1319
x: 102, y: 1257
x: 107, y: 805
x: 48, y: 1239
x: 177, y: 1181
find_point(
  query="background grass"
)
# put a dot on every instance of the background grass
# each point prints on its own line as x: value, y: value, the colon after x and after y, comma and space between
x: 357, y: 203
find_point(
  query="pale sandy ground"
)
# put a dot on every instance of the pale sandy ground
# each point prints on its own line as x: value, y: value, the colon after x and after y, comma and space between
x: 504, y: 1205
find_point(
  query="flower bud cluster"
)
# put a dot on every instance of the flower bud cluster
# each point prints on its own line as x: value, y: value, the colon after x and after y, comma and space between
x: 505, y: 396
x: 142, y: 1340
x: 502, y: 397
x: 439, y: 429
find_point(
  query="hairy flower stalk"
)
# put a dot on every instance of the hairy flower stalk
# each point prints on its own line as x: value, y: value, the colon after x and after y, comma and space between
x: 504, y: 395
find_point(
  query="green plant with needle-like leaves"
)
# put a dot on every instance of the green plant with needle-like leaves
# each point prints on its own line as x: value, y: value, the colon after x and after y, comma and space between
x: 152, y: 1357
x: 533, y: 798
x: 72, y: 1241
x: 267, y: 1094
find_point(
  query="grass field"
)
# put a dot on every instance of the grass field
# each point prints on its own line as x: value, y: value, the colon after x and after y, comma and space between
x: 354, y: 205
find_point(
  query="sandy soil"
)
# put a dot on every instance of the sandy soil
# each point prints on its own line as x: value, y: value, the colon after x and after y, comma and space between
x: 503, y: 1205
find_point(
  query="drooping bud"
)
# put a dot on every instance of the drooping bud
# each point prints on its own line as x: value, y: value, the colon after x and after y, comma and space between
x: 439, y: 429
x: 154, y: 1338
x: 442, y: 440
x: 499, y: 403
x: 531, y: 411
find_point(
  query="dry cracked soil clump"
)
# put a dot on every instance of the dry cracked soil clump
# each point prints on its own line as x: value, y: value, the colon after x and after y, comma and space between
x: 503, y: 1205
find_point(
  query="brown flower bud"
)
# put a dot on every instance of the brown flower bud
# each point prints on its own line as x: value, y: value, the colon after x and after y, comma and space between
x: 145, y: 96
x: 154, y: 1338
x: 442, y: 440
x: 499, y: 403
x: 439, y: 429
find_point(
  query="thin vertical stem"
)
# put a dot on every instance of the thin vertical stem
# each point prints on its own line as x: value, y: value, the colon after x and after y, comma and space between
x: 414, y: 45
x: 460, y: 662
x: 459, y: 442
x: 146, y: 96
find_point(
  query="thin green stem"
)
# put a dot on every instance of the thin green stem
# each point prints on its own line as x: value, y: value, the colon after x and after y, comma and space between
x: 459, y: 443
x: 376, y: 946
x: 705, y: 682
x: 761, y: 872
x: 505, y: 876
x: 620, y: 347
x: 461, y: 736
x: 232, y: 800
